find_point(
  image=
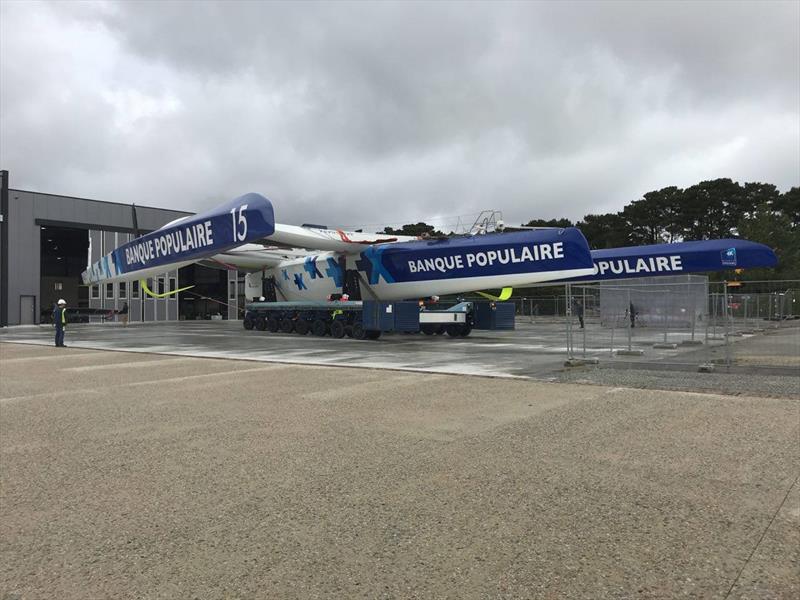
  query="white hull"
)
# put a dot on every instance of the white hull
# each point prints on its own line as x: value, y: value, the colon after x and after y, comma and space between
x: 320, y: 289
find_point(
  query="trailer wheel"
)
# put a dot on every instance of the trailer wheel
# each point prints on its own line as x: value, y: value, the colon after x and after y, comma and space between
x: 272, y: 324
x: 337, y: 329
x: 440, y: 330
x: 453, y: 330
x: 301, y: 326
x: 248, y: 324
x: 429, y: 329
x: 287, y: 325
x: 373, y: 335
x: 261, y: 324
x: 466, y: 330
x: 357, y: 331
x: 319, y: 327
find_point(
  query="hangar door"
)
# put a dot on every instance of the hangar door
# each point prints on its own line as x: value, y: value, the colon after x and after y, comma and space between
x: 63, y: 254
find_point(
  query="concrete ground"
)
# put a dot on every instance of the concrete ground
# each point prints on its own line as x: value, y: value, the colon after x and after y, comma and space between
x: 535, y: 350
x: 509, y: 353
x: 147, y: 476
x: 764, y: 364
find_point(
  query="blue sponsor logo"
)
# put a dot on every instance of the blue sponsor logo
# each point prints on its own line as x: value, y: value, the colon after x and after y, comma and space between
x: 476, y: 256
x: 247, y: 218
x: 335, y: 272
x: 729, y: 257
x: 310, y: 267
x: 371, y: 262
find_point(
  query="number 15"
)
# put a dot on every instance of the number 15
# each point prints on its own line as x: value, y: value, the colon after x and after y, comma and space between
x: 239, y: 236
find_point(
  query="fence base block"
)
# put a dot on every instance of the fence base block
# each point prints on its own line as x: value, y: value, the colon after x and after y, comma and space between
x: 580, y: 362
x: 665, y: 346
x: 706, y: 368
x: 692, y: 343
x: 629, y: 352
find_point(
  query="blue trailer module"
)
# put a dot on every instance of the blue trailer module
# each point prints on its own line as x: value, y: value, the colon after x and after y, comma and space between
x: 494, y: 315
x: 391, y: 316
x: 368, y: 319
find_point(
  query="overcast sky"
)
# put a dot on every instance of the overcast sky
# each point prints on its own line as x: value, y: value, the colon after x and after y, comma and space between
x: 383, y: 113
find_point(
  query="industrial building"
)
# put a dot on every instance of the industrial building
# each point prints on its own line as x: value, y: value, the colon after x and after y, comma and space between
x: 47, y: 239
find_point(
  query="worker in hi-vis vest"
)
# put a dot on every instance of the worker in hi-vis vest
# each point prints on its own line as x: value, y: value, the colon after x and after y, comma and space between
x: 60, y: 321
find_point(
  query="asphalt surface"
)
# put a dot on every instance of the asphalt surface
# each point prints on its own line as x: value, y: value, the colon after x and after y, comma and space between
x: 503, y: 354
x: 534, y: 350
x: 762, y: 364
x: 144, y: 476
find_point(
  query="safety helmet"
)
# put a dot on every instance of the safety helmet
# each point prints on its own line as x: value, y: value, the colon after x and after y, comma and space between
x: 62, y: 302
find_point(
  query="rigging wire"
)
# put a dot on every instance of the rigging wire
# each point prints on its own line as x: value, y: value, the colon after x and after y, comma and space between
x: 456, y: 219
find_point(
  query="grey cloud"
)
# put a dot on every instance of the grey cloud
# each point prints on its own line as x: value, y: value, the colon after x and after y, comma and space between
x: 387, y: 112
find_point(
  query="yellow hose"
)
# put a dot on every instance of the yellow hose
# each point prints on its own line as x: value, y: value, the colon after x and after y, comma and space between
x: 505, y: 294
x: 152, y: 294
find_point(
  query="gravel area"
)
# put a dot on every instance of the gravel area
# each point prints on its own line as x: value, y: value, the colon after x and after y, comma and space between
x: 775, y: 385
x: 129, y: 475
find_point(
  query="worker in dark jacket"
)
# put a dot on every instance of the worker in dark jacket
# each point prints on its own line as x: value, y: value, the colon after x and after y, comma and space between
x: 579, y: 311
x: 123, y: 314
x: 60, y: 321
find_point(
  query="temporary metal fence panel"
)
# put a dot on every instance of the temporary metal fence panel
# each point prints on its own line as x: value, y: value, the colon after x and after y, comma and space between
x: 685, y: 320
x: 674, y: 302
x: 760, y: 322
x: 682, y: 320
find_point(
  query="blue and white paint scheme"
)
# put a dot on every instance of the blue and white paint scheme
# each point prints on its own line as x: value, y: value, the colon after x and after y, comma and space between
x: 187, y: 240
x: 679, y: 258
x: 309, y: 263
x: 399, y: 270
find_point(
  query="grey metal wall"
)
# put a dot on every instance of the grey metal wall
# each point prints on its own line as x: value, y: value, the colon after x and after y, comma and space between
x: 23, y: 254
x: 29, y: 211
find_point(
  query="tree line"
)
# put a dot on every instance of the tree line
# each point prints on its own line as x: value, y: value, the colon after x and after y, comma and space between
x: 720, y: 208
